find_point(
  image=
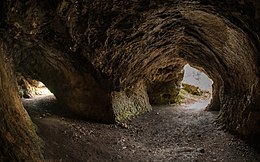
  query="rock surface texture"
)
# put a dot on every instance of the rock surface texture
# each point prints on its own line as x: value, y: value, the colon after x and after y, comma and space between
x: 105, y: 59
x: 18, y: 139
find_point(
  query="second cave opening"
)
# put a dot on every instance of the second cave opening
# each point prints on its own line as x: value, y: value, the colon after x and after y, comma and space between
x: 29, y: 88
x: 196, y: 89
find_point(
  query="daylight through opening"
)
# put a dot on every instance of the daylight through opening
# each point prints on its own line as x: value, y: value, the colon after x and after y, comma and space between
x: 196, y: 89
x: 29, y: 88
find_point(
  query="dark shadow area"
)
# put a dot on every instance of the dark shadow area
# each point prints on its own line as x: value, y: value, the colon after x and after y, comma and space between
x: 46, y: 105
x: 40, y: 102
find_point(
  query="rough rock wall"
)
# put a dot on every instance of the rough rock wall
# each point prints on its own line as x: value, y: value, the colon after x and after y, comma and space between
x: 18, y: 139
x: 164, y: 83
x: 112, y: 45
x: 130, y: 103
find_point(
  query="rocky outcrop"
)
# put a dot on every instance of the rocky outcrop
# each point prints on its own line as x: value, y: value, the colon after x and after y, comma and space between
x: 27, y: 87
x: 131, y: 102
x: 164, y: 85
x: 18, y: 139
x: 100, y: 57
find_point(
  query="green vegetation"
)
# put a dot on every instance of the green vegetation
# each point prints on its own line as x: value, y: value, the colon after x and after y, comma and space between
x: 192, y: 89
x: 190, y: 93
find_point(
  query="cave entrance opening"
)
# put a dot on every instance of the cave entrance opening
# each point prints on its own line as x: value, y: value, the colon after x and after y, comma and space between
x: 41, y: 89
x: 45, y: 90
x: 29, y: 88
x: 196, y: 89
x: 37, y: 99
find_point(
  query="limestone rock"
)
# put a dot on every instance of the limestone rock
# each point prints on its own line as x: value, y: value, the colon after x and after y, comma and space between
x: 18, y: 139
x: 93, y: 54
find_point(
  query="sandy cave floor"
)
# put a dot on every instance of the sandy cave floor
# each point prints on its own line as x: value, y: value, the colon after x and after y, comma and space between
x: 167, y: 134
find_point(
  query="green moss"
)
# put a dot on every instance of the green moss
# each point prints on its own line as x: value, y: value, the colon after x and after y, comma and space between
x: 126, y: 115
x: 130, y: 103
x: 180, y: 97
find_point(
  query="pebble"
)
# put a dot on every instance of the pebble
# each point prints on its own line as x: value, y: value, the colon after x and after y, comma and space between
x: 123, y: 125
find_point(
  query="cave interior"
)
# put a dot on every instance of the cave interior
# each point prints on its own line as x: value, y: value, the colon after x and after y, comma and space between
x: 108, y: 61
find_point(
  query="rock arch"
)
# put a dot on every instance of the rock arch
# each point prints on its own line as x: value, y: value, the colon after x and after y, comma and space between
x: 100, y: 58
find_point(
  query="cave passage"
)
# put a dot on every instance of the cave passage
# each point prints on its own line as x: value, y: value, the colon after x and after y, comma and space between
x: 111, y: 61
x: 29, y: 88
x: 196, y: 89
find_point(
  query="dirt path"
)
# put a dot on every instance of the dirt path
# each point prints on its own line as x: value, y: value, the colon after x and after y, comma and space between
x: 167, y: 134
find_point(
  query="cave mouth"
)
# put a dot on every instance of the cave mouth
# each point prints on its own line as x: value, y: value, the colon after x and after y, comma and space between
x: 29, y: 88
x: 196, y: 89
x: 43, y: 90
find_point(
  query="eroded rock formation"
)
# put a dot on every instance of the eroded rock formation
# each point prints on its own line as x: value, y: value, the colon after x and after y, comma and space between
x: 18, y: 139
x: 100, y: 58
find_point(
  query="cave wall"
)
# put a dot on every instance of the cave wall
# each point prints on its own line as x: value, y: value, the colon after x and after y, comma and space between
x: 130, y: 103
x: 99, y: 50
x: 233, y: 58
x: 18, y: 139
x: 75, y: 88
x: 164, y: 83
